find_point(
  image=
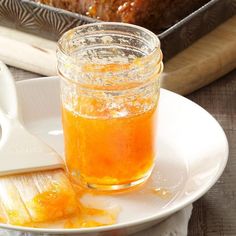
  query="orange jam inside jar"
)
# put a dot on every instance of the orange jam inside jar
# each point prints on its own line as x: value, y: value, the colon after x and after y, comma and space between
x: 109, y: 92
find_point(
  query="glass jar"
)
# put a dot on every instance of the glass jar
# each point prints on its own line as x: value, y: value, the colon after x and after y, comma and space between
x: 109, y: 93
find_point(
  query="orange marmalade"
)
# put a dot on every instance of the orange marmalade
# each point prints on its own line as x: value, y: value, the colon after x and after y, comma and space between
x: 109, y: 92
x: 109, y: 151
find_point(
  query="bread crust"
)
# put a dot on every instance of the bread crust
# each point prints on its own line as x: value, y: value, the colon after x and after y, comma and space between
x: 156, y: 15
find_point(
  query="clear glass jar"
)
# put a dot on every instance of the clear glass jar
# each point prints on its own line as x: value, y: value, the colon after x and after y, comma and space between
x: 109, y: 93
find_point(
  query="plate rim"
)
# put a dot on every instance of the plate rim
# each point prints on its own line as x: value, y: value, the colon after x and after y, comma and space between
x: 170, y: 211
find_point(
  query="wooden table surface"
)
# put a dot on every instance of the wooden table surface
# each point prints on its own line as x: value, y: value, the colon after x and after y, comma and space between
x: 215, y: 213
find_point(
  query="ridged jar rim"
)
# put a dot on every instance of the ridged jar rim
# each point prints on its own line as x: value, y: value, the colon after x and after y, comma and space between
x: 131, y: 26
x: 151, y: 58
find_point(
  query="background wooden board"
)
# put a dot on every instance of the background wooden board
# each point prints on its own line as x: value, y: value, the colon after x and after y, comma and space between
x: 205, y: 61
x: 215, y: 213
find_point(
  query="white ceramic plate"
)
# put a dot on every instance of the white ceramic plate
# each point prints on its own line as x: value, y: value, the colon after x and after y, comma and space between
x: 192, y: 154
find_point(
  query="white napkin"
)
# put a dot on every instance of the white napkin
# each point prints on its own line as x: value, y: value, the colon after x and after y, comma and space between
x: 175, y: 225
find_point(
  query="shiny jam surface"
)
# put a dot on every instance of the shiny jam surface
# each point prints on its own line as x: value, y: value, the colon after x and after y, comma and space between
x: 53, y: 204
x: 81, y: 216
x: 109, y: 151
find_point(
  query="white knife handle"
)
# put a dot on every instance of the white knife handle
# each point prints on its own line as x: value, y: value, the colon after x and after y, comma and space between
x: 8, y: 95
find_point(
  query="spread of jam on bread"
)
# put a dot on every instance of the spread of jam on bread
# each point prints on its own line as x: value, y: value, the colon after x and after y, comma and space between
x: 155, y: 15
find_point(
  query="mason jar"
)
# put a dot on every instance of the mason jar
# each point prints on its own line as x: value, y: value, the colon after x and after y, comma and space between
x: 109, y: 96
